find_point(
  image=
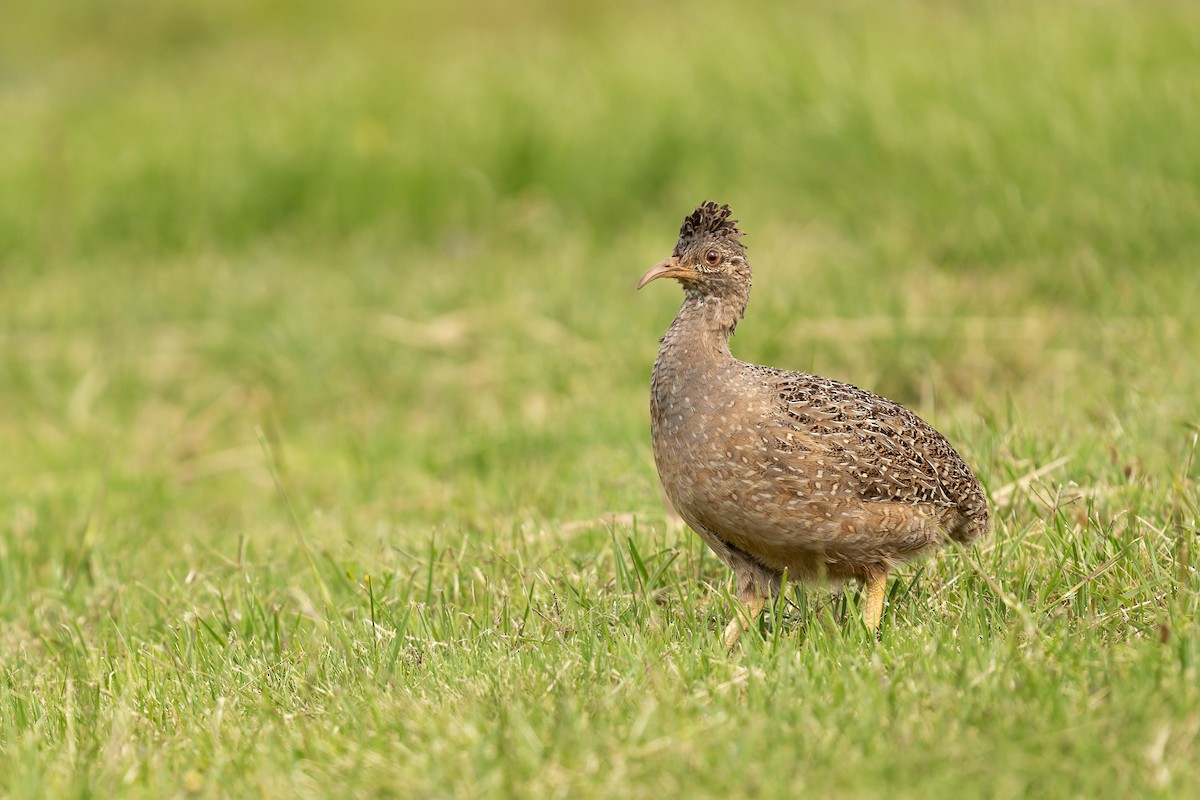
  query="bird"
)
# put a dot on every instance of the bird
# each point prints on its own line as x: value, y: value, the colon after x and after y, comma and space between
x: 785, y: 473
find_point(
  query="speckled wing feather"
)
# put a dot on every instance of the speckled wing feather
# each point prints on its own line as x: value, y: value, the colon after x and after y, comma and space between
x: 886, y: 451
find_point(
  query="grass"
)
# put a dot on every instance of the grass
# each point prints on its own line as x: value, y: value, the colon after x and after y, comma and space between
x: 326, y: 465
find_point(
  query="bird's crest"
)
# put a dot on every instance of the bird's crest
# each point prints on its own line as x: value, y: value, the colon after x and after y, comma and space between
x: 709, y: 219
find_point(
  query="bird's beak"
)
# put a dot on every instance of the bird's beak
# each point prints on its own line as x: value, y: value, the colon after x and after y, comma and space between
x: 670, y: 268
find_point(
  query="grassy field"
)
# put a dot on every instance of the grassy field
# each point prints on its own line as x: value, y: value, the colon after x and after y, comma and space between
x: 323, y: 395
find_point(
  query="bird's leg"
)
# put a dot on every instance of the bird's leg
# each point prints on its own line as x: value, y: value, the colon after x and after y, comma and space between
x: 876, y: 589
x: 750, y: 604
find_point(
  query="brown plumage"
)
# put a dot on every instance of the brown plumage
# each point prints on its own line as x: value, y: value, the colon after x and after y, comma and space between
x: 783, y: 471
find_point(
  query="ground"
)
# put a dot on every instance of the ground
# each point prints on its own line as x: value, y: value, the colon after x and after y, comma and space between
x: 326, y: 465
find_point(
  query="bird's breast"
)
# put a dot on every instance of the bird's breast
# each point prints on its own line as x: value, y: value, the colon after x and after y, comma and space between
x: 708, y: 432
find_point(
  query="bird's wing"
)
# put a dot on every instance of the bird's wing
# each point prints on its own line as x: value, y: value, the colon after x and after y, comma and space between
x: 885, y: 450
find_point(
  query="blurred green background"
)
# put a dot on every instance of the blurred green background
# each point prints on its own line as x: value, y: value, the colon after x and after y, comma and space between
x: 364, y: 272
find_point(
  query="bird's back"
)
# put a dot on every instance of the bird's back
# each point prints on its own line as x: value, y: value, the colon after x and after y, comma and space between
x: 888, y: 453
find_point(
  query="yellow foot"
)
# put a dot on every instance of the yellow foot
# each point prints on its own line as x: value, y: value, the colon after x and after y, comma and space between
x: 876, y: 589
x: 750, y: 605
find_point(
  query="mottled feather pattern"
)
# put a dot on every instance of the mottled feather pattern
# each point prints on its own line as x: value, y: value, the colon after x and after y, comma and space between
x: 881, y: 447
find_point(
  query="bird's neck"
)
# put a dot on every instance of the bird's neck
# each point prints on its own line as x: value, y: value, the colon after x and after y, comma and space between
x: 705, y: 323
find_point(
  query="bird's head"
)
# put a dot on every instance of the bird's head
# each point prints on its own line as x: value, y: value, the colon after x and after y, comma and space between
x: 708, y: 258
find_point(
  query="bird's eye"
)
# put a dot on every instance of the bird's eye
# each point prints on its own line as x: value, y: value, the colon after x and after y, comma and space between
x: 712, y: 257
